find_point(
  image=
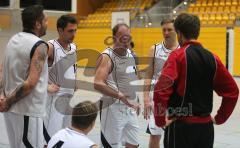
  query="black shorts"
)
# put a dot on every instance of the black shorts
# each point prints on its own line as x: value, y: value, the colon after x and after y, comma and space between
x: 189, y: 135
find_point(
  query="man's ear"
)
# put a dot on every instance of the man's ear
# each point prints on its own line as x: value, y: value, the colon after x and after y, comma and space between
x: 179, y: 34
x: 114, y: 39
x: 38, y: 25
x: 60, y: 30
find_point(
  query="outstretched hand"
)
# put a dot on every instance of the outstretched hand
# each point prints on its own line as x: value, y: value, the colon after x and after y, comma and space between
x: 147, y: 108
x: 52, y: 88
x: 125, y: 100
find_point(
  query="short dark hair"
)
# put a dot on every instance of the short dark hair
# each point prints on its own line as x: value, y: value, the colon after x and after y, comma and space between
x: 188, y: 25
x: 116, y: 27
x: 64, y: 20
x: 166, y: 21
x: 84, y: 114
x: 31, y: 15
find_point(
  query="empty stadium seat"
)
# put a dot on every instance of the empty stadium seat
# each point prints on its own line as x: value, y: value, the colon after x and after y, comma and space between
x: 205, y: 17
x: 202, y: 9
x: 216, y: 12
x: 235, y: 2
x: 233, y: 9
x: 225, y: 16
x: 208, y: 9
x: 190, y: 9
x: 238, y: 8
x: 232, y: 17
x: 212, y: 17
x: 218, y: 17
x: 222, y: 3
x: 198, y: 3
x: 220, y: 9
x: 226, y: 9
x: 228, y: 3
x: 216, y: 3
x: 210, y: 3
x: 102, y: 16
x: 214, y: 9
x: 204, y: 3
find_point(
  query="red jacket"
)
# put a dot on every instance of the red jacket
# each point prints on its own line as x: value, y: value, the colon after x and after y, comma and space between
x: 186, y: 84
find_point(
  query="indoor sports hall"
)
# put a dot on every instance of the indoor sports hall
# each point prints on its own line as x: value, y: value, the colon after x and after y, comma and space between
x: 220, y: 34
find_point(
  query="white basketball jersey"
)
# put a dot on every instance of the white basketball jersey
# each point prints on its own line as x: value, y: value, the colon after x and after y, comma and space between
x: 58, y: 74
x: 160, y: 57
x: 68, y: 138
x: 19, y: 52
x: 123, y: 76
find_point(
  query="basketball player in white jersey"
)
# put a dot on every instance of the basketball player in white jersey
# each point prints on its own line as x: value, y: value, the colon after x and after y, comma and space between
x: 24, y: 81
x: 115, y: 71
x: 83, y: 120
x: 59, y: 52
x: 157, y: 57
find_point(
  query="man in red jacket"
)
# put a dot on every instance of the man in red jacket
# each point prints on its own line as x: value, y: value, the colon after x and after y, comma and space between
x: 183, y: 95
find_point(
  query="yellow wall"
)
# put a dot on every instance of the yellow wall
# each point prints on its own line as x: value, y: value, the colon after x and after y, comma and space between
x: 52, y: 22
x: 94, y: 39
x: 144, y: 38
x: 236, y: 60
x: 5, y: 21
x: 213, y: 39
x: 91, y: 39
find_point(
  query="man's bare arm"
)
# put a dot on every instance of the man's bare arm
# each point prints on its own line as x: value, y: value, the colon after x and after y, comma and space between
x: 149, y: 72
x: 147, y: 84
x: 36, y: 66
x: 1, y: 75
x: 103, y: 69
x: 50, y: 54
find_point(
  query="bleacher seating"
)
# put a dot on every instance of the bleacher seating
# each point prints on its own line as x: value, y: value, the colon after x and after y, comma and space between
x: 102, y: 16
x: 216, y: 12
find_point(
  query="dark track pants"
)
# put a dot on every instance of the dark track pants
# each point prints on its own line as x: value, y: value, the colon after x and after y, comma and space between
x: 185, y: 135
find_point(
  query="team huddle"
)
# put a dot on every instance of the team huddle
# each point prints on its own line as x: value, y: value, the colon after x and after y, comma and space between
x: 178, y: 88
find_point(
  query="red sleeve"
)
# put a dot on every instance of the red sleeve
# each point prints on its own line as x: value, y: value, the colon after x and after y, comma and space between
x: 225, y: 86
x: 164, y: 88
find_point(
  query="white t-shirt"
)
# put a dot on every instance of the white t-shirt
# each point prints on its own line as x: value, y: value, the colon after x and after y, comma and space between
x: 68, y: 138
x: 123, y: 74
x: 63, y: 69
x: 17, y: 61
x: 161, y: 54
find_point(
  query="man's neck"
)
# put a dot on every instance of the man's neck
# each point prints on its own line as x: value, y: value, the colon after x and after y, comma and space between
x: 172, y: 44
x: 188, y: 40
x: 82, y: 131
x: 64, y: 44
x: 34, y: 31
x: 120, y: 50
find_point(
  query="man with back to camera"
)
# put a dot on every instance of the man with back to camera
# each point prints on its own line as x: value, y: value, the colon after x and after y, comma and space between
x: 185, y: 88
x: 157, y: 56
x: 84, y: 116
x: 24, y: 81
x: 60, y: 49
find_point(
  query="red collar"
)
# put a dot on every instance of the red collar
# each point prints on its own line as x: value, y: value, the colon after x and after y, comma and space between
x: 194, y: 42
